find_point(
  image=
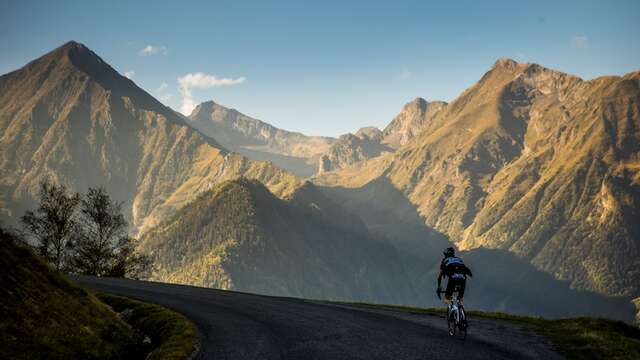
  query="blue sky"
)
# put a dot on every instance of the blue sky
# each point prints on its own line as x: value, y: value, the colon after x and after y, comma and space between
x: 324, y: 67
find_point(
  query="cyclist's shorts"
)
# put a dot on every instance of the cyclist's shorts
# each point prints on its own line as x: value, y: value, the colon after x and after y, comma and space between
x: 451, y: 285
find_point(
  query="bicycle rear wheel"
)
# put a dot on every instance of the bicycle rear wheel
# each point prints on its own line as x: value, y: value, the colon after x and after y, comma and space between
x: 451, y: 323
x: 463, y: 324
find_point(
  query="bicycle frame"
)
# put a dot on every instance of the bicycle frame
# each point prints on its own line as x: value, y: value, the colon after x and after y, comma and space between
x: 459, y: 317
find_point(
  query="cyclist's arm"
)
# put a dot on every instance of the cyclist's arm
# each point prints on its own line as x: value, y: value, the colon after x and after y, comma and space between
x: 440, y: 276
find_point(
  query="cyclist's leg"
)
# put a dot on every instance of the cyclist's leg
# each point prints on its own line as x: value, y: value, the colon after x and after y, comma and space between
x: 448, y: 292
x: 461, y: 285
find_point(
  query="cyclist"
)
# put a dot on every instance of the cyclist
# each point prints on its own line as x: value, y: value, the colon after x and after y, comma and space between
x: 454, y: 268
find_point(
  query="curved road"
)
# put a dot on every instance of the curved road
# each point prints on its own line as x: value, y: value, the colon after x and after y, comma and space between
x: 236, y: 325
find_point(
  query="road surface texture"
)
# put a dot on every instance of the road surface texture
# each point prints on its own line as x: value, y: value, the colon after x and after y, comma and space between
x: 236, y: 325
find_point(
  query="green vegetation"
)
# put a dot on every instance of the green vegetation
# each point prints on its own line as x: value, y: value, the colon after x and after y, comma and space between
x: 44, y: 316
x: 172, y: 335
x: 84, y: 234
x: 576, y: 338
x: 240, y: 236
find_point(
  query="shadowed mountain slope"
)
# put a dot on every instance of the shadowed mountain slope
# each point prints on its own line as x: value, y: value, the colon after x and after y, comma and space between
x: 534, y: 161
x: 69, y: 117
x: 240, y: 236
x: 502, y: 281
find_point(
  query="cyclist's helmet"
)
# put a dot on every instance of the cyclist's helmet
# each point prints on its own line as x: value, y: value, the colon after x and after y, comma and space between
x: 449, y: 252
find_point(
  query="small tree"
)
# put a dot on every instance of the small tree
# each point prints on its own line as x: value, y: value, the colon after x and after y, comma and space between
x: 128, y: 263
x: 103, y: 247
x: 53, y: 225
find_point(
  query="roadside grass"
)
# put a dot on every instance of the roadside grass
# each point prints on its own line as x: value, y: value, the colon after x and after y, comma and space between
x: 45, y: 316
x: 575, y: 338
x: 172, y: 335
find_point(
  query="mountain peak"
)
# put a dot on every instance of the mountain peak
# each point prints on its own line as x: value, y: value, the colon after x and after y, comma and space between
x: 76, y: 52
x: 504, y: 62
x: 202, y: 108
x: 73, y: 45
x: 205, y: 109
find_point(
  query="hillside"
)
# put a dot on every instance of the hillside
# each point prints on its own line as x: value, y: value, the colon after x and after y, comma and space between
x: 258, y: 140
x: 44, y: 316
x: 240, y: 236
x: 533, y: 161
x: 70, y: 117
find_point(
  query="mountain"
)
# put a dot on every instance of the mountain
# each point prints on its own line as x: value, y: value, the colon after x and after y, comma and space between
x: 44, y: 316
x: 258, y: 140
x: 240, y: 236
x: 411, y: 121
x: 350, y: 149
x: 70, y: 117
x: 533, y: 161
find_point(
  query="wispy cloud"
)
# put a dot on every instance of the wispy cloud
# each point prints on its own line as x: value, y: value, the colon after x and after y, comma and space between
x: 580, y: 41
x: 404, y: 75
x: 129, y: 74
x: 153, y: 50
x: 166, y: 97
x: 200, y: 80
x: 163, y: 93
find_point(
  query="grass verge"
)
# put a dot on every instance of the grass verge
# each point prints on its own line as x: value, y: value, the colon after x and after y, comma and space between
x: 575, y: 338
x: 45, y: 316
x: 172, y: 335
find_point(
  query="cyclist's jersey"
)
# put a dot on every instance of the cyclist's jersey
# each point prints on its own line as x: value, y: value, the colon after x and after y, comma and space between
x: 454, y: 268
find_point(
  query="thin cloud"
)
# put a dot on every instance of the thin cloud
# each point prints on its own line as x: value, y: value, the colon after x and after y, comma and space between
x: 153, y: 50
x: 129, y: 74
x: 200, y: 80
x: 163, y: 93
x: 580, y: 41
x: 166, y: 98
x: 404, y: 75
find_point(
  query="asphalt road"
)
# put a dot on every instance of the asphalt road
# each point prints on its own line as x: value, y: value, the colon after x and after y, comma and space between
x: 236, y: 325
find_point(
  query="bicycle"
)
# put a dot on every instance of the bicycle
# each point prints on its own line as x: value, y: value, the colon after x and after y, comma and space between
x: 456, y: 316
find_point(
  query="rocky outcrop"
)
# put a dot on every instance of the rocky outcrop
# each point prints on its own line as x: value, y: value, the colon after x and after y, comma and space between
x: 414, y: 118
x: 351, y: 149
